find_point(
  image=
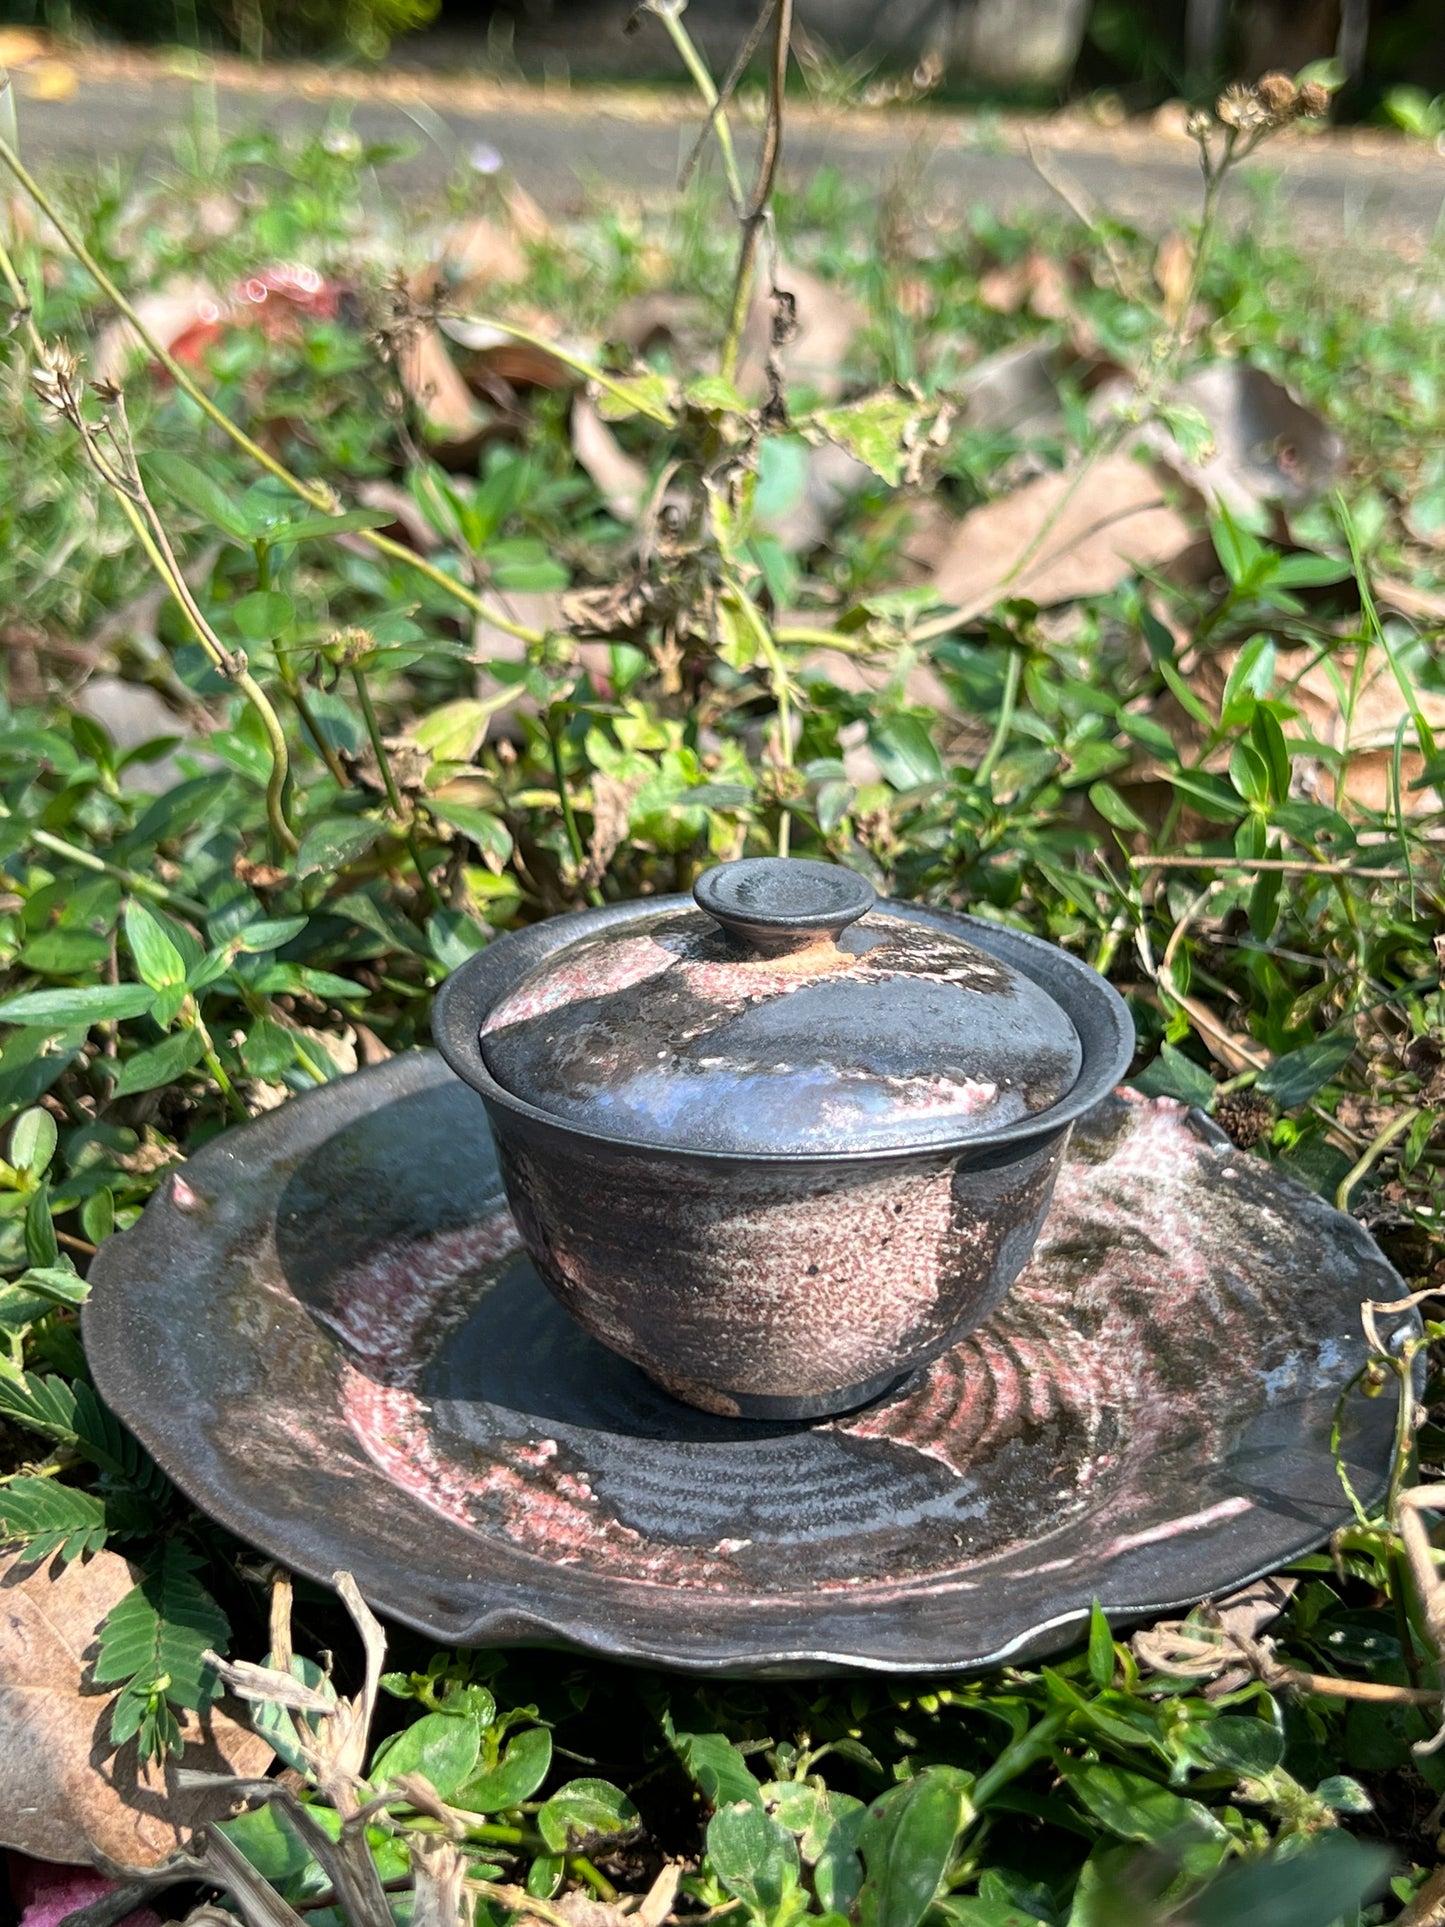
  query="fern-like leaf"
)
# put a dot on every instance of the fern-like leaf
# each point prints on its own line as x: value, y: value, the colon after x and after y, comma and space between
x: 70, y: 1413
x: 152, y: 1645
x: 44, y: 1517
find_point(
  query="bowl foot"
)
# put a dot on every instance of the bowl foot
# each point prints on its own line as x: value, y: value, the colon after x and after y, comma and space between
x: 748, y: 1405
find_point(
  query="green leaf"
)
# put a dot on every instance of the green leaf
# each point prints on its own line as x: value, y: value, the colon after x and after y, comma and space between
x: 195, y: 490
x: 488, y: 832
x: 1249, y: 680
x: 826, y: 1823
x: 1150, y: 735
x: 311, y: 528
x: 637, y: 395
x: 270, y: 1845
x: 452, y: 732
x: 45, y: 1518
x: 443, y: 1747
x: 1172, y: 1074
x: 69, y: 1412
x: 336, y: 841
x: 1344, y: 1794
x: 1269, y: 742
x: 54, y: 1283
x: 1233, y: 1744
x: 65, y: 953
x: 515, y: 1777
x: 907, y: 1839
x: 270, y: 933
x: 454, y: 937
x: 545, y: 1875
x: 1208, y: 796
x: 906, y: 752
x: 1101, y: 1649
x: 962, y: 1910
x: 33, y: 1138
x: 92, y: 1004
x: 41, y: 1247
x: 1249, y: 773
x: 1293, y: 1079
x: 878, y: 431
x: 269, y: 1048
x: 1237, y: 549
x: 714, y: 396
x: 156, y: 957
x: 163, y: 1063
x: 754, y: 1858
x: 1189, y: 428
x: 1325, y: 1882
x: 1264, y: 904
x: 582, y: 1809
x: 263, y: 615
x: 1138, y: 1809
x: 161, y: 1629
x: 1114, y: 810
x: 97, y: 1215
x: 1313, y: 571
x: 719, y: 1769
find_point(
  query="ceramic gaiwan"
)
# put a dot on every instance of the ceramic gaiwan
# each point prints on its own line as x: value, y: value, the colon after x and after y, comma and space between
x: 782, y: 1144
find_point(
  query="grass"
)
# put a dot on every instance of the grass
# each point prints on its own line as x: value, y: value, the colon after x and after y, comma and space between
x: 1150, y: 776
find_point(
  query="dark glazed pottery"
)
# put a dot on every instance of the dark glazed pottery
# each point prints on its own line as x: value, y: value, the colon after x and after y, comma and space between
x: 782, y: 1148
x: 325, y: 1330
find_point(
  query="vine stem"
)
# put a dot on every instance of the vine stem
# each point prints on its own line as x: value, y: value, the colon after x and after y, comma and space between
x: 87, y: 860
x: 218, y: 1070
x: 316, y: 495
x: 1013, y: 675
x: 569, y: 815
x: 1396, y: 1128
x: 393, y: 797
x: 697, y: 67
x: 760, y: 207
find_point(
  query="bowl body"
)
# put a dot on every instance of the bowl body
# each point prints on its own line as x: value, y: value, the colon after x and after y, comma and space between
x: 778, y: 1285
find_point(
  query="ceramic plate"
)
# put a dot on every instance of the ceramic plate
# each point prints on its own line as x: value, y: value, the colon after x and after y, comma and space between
x: 325, y: 1331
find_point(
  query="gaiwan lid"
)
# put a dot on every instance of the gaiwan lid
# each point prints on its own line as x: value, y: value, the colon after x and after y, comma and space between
x: 788, y: 1013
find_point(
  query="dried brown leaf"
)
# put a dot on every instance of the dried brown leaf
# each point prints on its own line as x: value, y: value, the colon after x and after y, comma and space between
x: 480, y: 256
x: 1173, y: 271
x: 65, y: 1794
x: 1078, y: 533
x: 451, y: 417
x: 611, y: 816
x: 1036, y: 283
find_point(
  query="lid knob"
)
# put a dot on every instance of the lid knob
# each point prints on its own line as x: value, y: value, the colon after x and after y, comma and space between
x: 779, y: 903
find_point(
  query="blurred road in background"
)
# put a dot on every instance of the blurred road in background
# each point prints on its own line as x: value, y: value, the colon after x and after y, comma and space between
x: 570, y: 146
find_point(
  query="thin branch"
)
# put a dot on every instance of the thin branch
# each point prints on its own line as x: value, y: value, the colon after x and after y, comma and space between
x: 1290, y: 866
x: 1397, y: 1127
x: 760, y: 208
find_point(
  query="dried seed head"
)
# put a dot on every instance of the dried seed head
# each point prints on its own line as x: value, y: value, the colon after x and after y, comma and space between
x: 1277, y: 94
x: 106, y: 390
x: 1246, y: 1117
x: 1240, y: 107
x: 1313, y: 101
x: 1198, y: 124
x: 55, y: 380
